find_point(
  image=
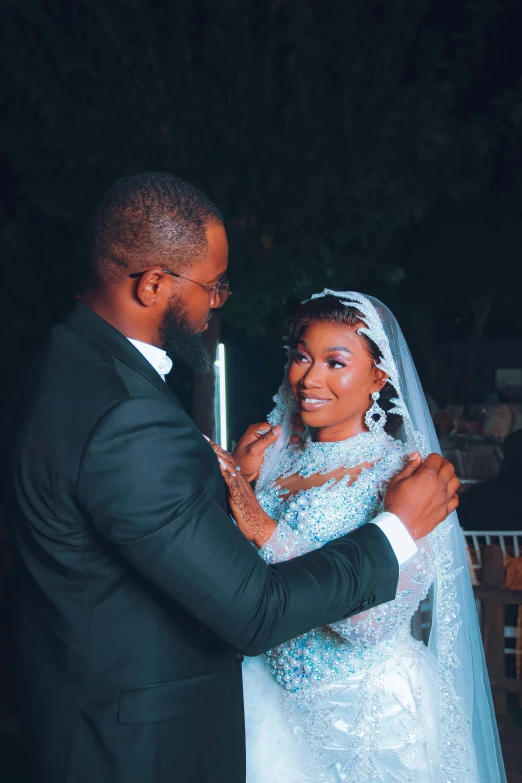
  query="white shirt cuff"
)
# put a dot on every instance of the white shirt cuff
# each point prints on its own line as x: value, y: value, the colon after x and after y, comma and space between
x: 400, y: 540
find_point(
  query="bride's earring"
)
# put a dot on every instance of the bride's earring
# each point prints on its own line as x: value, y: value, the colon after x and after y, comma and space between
x: 373, y: 424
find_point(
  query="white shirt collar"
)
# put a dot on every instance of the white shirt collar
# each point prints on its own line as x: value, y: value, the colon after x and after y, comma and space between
x: 155, y: 356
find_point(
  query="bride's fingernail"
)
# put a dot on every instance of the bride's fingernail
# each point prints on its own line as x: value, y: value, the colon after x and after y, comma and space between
x: 205, y: 437
x: 222, y: 462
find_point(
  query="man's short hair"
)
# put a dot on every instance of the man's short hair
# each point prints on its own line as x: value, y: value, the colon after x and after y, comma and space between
x: 147, y: 220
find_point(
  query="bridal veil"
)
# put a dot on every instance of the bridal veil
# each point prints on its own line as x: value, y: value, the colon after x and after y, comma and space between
x: 468, y: 737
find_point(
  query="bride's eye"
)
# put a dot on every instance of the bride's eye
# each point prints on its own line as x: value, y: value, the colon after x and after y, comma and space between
x: 335, y: 364
x: 297, y: 356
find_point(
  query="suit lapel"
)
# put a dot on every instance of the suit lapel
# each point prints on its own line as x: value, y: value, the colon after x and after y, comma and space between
x: 165, y: 388
x: 95, y: 328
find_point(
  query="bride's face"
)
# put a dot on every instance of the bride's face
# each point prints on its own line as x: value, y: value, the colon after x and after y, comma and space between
x: 333, y: 376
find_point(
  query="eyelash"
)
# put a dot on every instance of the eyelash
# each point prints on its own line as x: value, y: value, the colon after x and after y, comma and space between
x: 331, y: 362
x: 297, y: 356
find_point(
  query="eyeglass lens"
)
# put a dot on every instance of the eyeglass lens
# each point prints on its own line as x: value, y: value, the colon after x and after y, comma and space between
x: 223, y: 289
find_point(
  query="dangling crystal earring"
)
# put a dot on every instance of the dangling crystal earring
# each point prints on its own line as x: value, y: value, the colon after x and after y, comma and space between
x: 375, y: 425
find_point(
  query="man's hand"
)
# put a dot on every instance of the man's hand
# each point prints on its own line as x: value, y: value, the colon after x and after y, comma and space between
x: 423, y: 494
x: 250, y: 450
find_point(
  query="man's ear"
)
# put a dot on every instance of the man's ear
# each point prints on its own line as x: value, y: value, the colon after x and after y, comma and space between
x: 149, y: 286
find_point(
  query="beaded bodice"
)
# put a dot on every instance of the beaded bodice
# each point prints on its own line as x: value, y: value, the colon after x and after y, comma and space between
x: 322, y: 513
x: 312, y: 517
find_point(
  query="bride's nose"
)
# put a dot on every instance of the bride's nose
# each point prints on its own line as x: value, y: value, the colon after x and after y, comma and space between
x: 312, y: 379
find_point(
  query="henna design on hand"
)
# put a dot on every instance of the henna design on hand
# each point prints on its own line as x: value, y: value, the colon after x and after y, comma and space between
x: 253, y: 522
x: 246, y: 510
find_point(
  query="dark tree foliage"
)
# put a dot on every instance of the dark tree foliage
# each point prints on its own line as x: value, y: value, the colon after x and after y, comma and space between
x: 321, y: 129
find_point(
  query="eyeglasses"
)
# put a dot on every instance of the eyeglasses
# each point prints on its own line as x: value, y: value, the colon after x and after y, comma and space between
x: 219, y: 292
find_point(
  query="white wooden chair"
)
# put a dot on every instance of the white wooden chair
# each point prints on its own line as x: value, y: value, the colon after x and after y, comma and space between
x: 510, y: 542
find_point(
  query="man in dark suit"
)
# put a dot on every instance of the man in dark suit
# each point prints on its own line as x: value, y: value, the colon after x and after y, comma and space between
x: 136, y: 594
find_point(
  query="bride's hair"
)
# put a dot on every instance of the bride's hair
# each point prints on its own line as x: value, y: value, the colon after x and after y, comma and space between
x: 328, y: 309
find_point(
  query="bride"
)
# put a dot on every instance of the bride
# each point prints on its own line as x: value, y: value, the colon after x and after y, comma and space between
x: 361, y: 700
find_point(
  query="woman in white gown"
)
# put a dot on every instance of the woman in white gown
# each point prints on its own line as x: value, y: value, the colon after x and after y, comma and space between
x: 362, y: 700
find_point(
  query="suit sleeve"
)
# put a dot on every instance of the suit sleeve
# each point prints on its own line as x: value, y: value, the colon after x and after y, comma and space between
x: 143, y: 485
x: 380, y: 622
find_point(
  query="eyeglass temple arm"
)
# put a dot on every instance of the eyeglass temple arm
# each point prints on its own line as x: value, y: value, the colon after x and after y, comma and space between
x: 166, y: 271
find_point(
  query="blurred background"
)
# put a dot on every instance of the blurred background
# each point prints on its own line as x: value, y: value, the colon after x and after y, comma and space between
x: 368, y: 145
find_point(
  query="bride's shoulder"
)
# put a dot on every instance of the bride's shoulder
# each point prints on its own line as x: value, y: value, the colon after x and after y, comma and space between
x: 394, y: 450
x: 392, y: 442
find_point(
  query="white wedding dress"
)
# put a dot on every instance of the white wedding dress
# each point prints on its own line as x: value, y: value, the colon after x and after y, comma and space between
x: 353, y: 701
x: 362, y: 700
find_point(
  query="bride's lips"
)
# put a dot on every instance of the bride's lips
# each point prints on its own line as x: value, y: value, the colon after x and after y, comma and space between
x: 310, y: 403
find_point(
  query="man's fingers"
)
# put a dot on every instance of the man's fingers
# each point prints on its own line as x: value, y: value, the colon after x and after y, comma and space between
x: 446, y: 470
x: 453, y: 504
x: 453, y: 486
x: 433, y: 461
x: 411, y: 467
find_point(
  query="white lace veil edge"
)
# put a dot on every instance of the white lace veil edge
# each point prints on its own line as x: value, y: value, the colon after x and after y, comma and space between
x: 469, y: 742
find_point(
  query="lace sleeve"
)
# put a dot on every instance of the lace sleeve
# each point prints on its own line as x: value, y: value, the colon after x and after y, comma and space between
x: 285, y: 544
x: 376, y: 624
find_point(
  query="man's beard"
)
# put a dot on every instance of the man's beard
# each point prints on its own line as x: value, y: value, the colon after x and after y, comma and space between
x: 180, y: 341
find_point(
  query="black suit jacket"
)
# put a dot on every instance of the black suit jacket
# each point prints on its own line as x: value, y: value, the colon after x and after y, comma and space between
x: 136, y: 593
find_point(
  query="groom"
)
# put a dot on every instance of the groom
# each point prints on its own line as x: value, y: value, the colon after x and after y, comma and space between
x: 136, y: 595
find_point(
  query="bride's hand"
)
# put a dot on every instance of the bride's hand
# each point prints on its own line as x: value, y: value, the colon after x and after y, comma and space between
x: 253, y: 522
x: 250, y: 450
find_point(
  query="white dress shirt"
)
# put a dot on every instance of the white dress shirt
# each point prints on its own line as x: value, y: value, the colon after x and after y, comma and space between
x: 400, y: 540
x: 155, y: 356
x: 397, y: 534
